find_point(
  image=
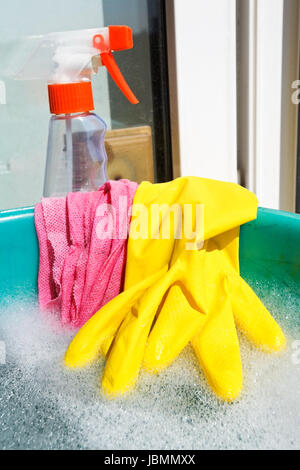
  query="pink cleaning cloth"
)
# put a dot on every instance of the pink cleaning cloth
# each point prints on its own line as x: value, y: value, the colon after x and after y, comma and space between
x: 83, y: 241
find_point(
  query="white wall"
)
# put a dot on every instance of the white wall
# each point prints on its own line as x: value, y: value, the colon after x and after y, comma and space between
x: 205, y: 45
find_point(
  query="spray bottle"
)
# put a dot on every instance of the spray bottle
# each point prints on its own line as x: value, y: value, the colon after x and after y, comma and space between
x: 76, y: 157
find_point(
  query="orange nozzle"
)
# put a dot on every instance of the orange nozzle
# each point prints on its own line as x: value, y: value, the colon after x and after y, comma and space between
x: 109, y: 61
x: 120, y: 38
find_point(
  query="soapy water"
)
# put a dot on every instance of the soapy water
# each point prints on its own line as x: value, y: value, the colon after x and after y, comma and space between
x: 43, y: 405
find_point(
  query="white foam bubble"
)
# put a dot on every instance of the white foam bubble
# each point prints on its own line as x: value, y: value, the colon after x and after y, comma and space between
x: 43, y: 405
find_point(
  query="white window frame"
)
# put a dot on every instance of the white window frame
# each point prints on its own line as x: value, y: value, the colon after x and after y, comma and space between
x: 268, y: 60
x: 204, y: 66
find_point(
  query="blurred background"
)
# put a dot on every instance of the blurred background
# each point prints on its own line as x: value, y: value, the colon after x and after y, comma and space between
x: 217, y: 82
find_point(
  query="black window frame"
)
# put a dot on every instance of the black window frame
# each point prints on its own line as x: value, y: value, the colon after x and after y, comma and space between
x: 160, y: 103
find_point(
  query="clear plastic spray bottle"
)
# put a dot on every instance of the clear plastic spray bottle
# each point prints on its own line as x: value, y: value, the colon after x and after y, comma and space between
x: 76, y: 157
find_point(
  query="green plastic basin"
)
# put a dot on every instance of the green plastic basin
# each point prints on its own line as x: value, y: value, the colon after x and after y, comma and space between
x: 268, y: 245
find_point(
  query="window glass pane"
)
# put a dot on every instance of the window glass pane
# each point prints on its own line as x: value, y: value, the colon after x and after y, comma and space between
x: 133, y: 141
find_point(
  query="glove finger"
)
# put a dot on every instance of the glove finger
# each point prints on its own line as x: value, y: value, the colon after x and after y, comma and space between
x: 174, y: 327
x: 125, y: 356
x: 127, y: 351
x: 253, y: 318
x: 218, y: 352
x: 86, y: 344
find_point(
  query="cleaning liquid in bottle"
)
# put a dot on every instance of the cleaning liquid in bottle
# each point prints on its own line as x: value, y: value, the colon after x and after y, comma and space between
x: 76, y: 156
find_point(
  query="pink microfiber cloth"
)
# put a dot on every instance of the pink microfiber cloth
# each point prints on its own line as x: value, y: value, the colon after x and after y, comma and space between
x: 83, y: 241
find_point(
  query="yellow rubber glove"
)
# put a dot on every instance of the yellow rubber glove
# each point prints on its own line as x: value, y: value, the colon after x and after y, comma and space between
x: 212, y: 275
x: 159, y: 274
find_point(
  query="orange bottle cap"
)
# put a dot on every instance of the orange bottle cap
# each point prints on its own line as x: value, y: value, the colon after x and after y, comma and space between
x: 67, y: 98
